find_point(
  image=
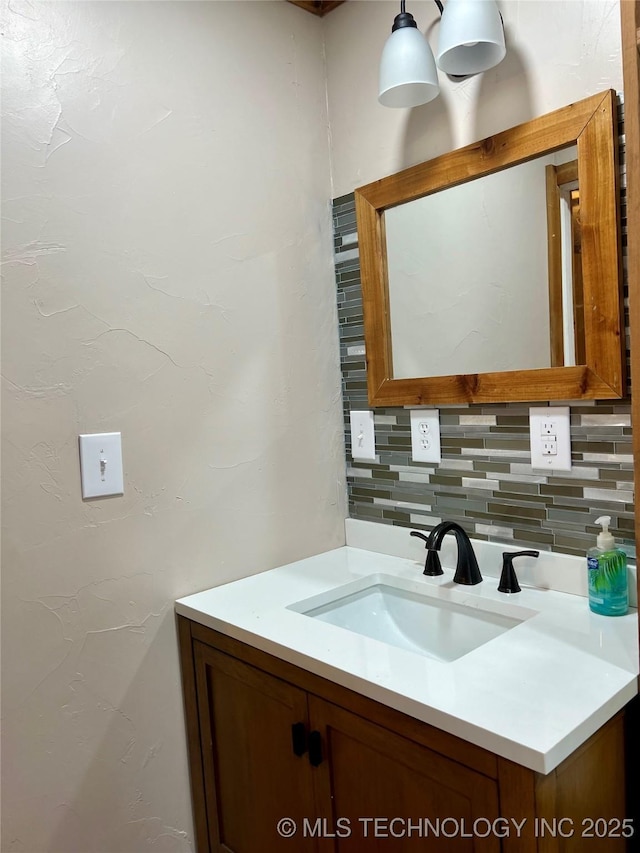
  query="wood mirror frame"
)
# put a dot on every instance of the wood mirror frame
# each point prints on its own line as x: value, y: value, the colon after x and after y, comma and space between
x: 591, y: 125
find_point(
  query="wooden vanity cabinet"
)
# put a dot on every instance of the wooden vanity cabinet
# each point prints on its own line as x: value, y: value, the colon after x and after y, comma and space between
x: 268, y: 740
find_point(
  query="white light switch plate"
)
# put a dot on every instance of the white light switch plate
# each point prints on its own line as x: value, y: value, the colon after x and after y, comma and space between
x: 425, y: 435
x: 550, y: 435
x: 363, y: 439
x: 101, y: 465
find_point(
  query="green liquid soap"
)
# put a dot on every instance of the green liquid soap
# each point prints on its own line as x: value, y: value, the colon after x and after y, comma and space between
x: 607, y: 574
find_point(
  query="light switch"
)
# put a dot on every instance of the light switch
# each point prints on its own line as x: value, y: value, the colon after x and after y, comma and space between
x: 425, y: 435
x: 101, y: 465
x: 363, y: 439
x: 550, y: 434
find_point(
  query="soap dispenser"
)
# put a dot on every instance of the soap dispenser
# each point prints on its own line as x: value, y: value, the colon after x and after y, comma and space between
x: 607, y: 574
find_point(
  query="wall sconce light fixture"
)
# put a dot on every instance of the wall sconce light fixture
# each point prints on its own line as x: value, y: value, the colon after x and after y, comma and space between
x: 471, y: 41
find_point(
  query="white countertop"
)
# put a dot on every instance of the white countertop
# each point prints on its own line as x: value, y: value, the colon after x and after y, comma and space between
x: 532, y: 695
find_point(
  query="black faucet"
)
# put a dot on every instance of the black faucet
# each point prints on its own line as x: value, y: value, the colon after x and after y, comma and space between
x: 467, y: 570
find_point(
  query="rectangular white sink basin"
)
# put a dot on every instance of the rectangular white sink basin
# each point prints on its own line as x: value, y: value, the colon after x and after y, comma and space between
x: 429, y: 622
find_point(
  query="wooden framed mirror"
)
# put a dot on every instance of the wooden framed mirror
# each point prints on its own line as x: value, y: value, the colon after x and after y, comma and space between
x: 435, y: 288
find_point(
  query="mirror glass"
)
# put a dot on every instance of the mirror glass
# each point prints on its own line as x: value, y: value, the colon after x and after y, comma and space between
x: 469, y: 273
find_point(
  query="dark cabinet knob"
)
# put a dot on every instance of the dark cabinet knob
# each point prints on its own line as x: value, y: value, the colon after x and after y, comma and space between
x: 299, y: 738
x: 315, y: 749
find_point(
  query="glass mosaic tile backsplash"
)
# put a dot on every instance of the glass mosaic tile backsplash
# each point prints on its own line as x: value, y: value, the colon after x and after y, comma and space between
x: 485, y: 480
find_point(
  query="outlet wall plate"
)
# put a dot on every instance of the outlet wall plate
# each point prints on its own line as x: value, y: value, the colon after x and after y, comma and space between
x: 425, y: 435
x: 550, y: 436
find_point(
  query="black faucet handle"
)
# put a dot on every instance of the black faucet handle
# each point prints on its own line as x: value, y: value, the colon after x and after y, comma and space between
x: 432, y: 565
x: 419, y: 535
x: 508, y: 579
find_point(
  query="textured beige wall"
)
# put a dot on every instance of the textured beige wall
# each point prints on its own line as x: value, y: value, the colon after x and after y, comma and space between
x: 168, y: 273
x: 558, y: 51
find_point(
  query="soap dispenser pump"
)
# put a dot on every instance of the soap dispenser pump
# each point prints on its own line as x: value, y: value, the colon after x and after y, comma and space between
x: 607, y: 574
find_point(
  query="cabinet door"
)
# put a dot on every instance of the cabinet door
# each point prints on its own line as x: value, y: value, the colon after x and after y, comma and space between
x: 368, y: 772
x: 252, y: 776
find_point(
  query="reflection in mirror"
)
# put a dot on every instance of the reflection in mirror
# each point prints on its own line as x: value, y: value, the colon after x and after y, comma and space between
x: 481, y: 274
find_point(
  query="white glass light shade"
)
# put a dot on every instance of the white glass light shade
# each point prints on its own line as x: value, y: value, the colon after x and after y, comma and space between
x: 471, y: 37
x: 408, y: 73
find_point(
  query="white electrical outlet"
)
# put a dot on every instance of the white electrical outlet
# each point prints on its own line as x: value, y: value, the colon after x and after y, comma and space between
x: 425, y: 435
x: 548, y: 426
x: 363, y: 438
x: 101, y: 465
x: 550, y: 434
